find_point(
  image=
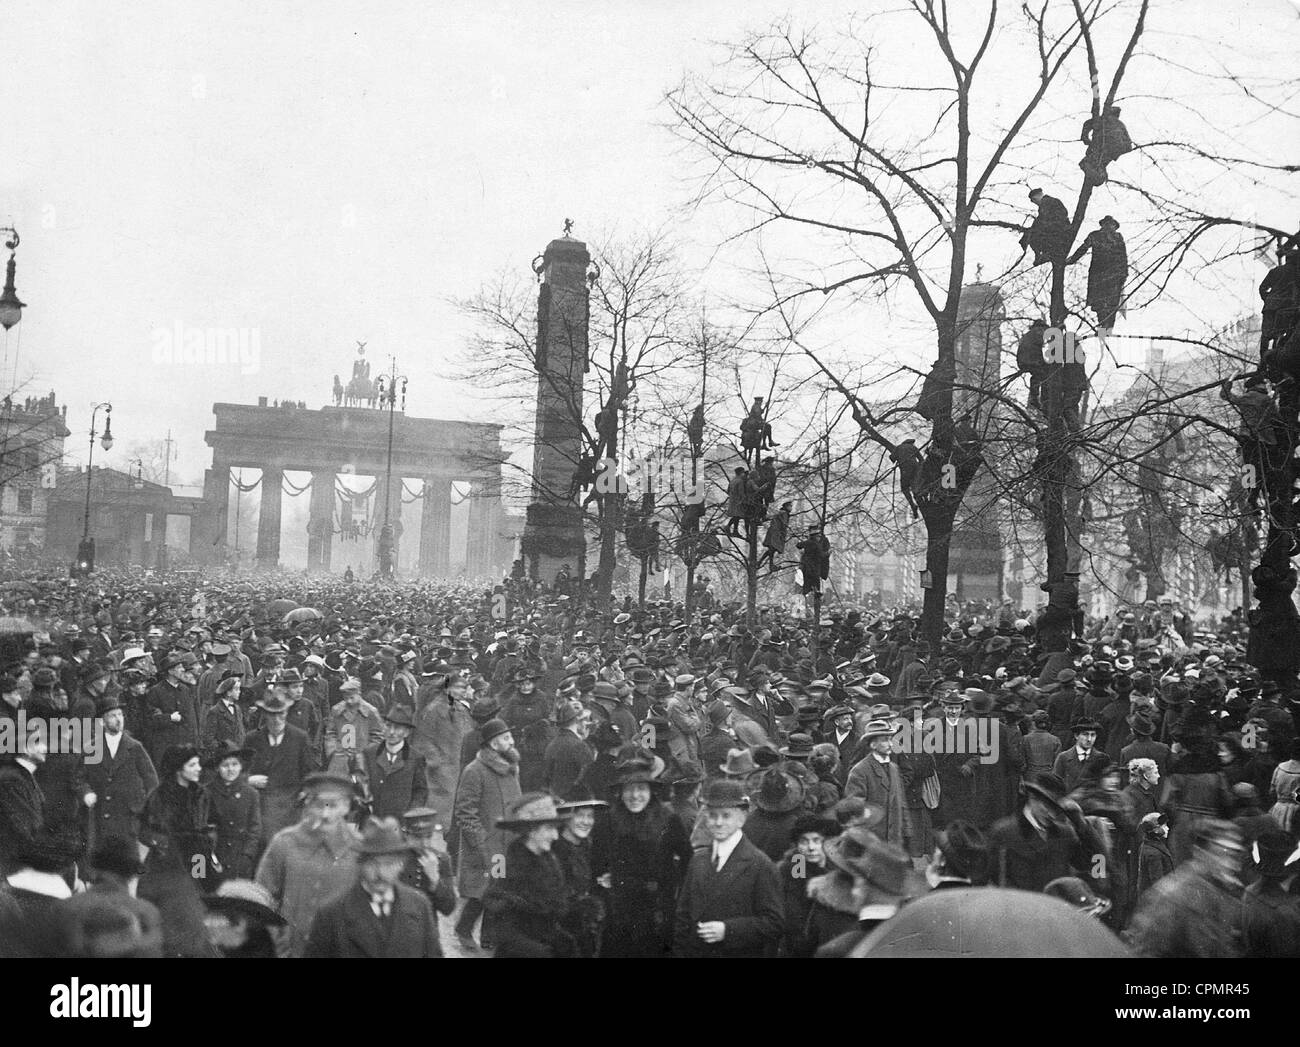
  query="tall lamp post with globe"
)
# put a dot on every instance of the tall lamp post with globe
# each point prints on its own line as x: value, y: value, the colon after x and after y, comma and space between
x: 86, y: 550
x: 11, y: 309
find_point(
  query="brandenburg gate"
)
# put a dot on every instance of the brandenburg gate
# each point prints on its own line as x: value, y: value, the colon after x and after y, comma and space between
x: 355, y: 440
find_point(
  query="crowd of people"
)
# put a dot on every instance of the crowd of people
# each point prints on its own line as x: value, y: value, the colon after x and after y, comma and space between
x: 280, y: 765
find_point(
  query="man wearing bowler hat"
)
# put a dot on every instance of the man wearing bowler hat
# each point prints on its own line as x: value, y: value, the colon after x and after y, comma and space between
x: 169, y: 707
x: 121, y: 779
x: 1072, y: 762
x: 379, y: 916
x: 730, y: 904
x: 487, y: 786
x: 568, y: 755
x: 396, y: 775
x: 280, y: 762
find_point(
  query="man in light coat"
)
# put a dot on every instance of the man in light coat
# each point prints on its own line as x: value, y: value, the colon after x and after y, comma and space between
x: 877, y: 780
x: 308, y: 865
x: 441, y: 727
x: 487, y: 786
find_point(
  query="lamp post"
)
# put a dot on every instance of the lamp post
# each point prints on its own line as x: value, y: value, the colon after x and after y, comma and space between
x: 11, y: 309
x: 388, y: 385
x: 86, y: 551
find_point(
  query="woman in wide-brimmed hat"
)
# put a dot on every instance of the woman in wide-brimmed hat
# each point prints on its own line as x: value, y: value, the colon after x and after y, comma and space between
x: 778, y: 801
x: 639, y: 853
x: 586, y: 915
x: 239, y: 919
x: 529, y: 901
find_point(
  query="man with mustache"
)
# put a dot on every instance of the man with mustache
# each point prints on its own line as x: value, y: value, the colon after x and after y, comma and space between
x: 487, y: 786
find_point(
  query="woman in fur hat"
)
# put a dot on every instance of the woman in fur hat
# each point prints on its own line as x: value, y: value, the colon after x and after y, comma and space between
x: 175, y: 822
x: 802, y: 861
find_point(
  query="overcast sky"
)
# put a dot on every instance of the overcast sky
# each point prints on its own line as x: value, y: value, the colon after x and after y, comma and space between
x: 314, y: 173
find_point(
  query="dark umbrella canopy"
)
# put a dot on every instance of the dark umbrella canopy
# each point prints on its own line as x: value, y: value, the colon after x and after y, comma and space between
x: 987, y: 922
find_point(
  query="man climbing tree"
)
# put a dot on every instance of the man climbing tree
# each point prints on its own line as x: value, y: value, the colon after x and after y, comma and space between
x: 1107, y: 139
x: 1049, y: 234
x: 1107, y: 270
x: 908, y: 458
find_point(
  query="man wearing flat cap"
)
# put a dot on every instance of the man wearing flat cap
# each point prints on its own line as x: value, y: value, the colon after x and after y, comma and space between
x: 428, y: 869
x: 730, y: 904
x: 313, y: 862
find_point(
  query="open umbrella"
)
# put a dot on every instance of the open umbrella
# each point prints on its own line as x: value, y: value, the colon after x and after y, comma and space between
x: 986, y: 922
x: 303, y: 614
x: 281, y: 606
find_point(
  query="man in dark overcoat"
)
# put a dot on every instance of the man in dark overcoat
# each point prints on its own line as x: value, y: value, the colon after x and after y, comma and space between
x: 730, y: 904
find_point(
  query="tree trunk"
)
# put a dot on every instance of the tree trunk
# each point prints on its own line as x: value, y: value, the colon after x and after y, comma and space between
x: 611, y: 514
x: 941, y: 511
x: 817, y: 631
x: 751, y: 578
x: 690, y: 587
x: 938, y: 526
x: 1061, y: 496
x: 640, y: 583
x: 1274, y: 645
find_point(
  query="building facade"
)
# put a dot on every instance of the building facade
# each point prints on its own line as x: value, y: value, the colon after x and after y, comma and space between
x: 32, y: 436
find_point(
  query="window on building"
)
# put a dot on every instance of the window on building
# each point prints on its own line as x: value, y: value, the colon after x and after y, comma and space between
x: 31, y: 459
x: 25, y: 500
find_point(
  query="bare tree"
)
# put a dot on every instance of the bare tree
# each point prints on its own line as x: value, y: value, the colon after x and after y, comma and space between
x: 807, y: 134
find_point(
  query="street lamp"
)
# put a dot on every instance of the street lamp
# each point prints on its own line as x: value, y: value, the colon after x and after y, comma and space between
x: 11, y: 309
x: 86, y: 550
x: 388, y: 386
